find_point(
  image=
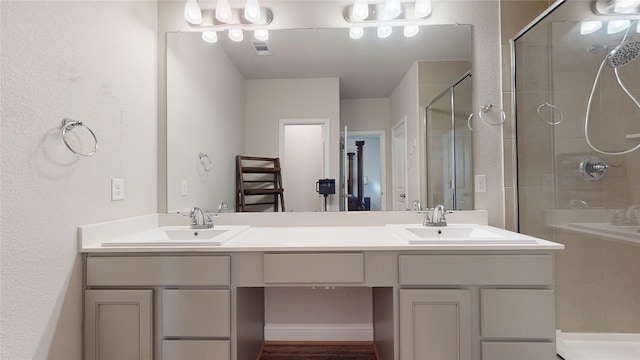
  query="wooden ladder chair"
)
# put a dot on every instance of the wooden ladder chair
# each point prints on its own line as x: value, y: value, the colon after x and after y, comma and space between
x: 258, y: 178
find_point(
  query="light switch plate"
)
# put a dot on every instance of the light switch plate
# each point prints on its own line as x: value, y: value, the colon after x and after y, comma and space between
x: 184, y: 188
x: 117, y: 189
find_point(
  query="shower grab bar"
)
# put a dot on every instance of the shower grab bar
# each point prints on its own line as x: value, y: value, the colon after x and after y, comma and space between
x: 70, y: 124
x: 553, y: 108
x: 632, y: 136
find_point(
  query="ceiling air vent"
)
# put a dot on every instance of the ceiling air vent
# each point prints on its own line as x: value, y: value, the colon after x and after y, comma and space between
x: 261, y: 48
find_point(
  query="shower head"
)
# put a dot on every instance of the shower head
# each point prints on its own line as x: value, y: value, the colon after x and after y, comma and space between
x: 624, y: 53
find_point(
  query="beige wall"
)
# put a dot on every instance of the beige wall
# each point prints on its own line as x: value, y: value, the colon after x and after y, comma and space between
x: 365, y: 114
x: 206, y: 105
x: 268, y: 101
x: 90, y: 61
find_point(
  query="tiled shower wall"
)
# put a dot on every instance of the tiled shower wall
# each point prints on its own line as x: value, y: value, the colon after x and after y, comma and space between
x: 597, y: 278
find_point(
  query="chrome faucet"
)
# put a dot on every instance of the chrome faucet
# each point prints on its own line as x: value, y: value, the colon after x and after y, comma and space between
x: 416, y: 205
x: 437, y: 217
x: 198, y: 219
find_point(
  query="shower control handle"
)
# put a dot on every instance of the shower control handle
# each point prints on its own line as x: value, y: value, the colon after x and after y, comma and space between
x: 594, y: 168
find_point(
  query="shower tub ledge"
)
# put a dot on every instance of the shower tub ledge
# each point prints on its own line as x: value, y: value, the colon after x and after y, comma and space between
x: 598, y: 346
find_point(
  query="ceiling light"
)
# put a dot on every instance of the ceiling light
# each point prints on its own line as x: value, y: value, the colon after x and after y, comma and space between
x: 360, y: 10
x: 192, y: 12
x: 252, y: 11
x: 392, y: 8
x: 616, y: 26
x: 356, y: 32
x: 422, y: 8
x: 261, y: 34
x: 236, y: 35
x: 384, y: 31
x: 411, y: 30
x: 625, y: 6
x: 210, y: 36
x: 223, y: 11
x: 590, y: 26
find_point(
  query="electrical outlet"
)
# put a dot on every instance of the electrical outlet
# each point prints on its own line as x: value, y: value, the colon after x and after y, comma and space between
x: 480, y: 183
x: 117, y: 189
x: 183, y: 188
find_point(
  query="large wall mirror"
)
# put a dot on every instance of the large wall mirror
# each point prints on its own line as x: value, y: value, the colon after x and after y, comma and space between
x: 242, y: 98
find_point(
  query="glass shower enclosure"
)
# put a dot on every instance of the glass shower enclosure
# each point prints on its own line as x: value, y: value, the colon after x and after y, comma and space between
x: 572, y: 114
x: 449, y: 170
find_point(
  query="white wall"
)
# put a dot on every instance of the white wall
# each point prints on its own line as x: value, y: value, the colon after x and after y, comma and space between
x: 91, y: 61
x: 268, y: 101
x: 206, y: 105
x: 404, y: 102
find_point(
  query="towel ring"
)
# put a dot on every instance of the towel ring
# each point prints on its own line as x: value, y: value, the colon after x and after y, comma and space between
x: 205, y: 161
x: 553, y: 107
x: 469, y: 121
x: 486, y: 108
x: 70, y: 124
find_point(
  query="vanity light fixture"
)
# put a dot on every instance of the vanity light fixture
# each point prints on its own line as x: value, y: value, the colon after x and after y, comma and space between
x: 252, y: 11
x: 234, y: 20
x: 384, y: 16
x: 590, y: 26
x: 616, y: 26
x: 192, y: 12
x: 210, y: 36
x: 611, y: 7
x: 223, y: 11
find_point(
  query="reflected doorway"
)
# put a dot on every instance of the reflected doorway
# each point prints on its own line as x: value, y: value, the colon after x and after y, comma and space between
x: 304, y: 159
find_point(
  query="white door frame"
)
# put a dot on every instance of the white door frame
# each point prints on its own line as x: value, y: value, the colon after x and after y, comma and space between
x: 326, y: 172
x: 401, y: 123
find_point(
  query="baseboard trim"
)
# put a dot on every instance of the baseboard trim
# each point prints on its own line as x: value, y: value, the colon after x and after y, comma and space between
x: 318, y: 332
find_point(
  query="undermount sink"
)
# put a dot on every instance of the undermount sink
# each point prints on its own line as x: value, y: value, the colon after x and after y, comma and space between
x: 453, y: 234
x: 180, y: 236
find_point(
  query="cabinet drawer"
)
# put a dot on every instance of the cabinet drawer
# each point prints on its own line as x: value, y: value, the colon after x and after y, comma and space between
x: 158, y: 270
x: 518, y: 350
x: 196, y: 350
x: 507, y: 313
x: 205, y: 313
x: 313, y: 268
x: 476, y: 269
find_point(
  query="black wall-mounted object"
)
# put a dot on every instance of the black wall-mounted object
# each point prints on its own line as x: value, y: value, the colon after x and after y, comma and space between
x: 326, y: 186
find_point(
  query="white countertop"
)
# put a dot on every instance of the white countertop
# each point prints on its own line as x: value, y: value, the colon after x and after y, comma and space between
x: 331, y: 238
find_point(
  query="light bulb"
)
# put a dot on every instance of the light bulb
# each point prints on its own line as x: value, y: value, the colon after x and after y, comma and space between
x: 625, y: 6
x: 411, y: 30
x: 590, y: 26
x: 236, y: 35
x: 252, y: 11
x: 616, y: 26
x: 192, y: 12
x: 356, y: 32
x: 360, y: 10
x: 384, y: 31
x: 261, y: 34
x: 392, y: 8
x: 223, y: 11
x: 210, y: 36
x: 422, y: 8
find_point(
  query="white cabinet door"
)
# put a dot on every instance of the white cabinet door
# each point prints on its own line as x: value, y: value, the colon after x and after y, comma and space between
x: 118, y: 324
x: 435, y: 324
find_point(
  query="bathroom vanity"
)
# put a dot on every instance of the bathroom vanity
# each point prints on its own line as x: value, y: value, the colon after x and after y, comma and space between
x: 452, y: 298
